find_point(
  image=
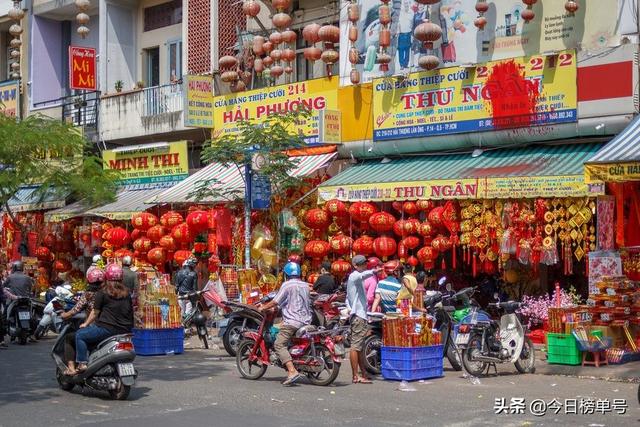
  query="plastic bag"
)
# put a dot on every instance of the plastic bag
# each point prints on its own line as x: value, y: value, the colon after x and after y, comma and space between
x: 508, y: 243
x: 549, y: 256
x: 524, y: 252
x: 288, y: 221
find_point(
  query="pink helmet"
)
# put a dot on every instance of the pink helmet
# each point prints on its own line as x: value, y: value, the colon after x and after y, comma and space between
x: 113, y: 272
x: 95, y: 275
x: 373, y: 262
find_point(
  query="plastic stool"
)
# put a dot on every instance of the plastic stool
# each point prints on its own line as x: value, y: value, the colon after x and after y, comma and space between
x: 599, y: 358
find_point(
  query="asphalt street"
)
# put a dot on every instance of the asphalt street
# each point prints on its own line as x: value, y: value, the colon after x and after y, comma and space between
x: 203, y: 388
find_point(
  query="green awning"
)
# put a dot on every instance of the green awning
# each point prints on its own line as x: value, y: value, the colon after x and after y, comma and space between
x: 28, y: 199
x: 528, y: 172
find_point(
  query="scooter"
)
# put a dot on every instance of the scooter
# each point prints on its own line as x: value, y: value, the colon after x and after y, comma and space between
x: 195, y: 317
x: 110, y: 366
x: 50, y: 319
x: 20, y: 319
x: 485, y: 343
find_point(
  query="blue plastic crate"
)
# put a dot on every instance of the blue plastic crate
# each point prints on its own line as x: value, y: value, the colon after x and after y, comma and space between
x: 152, y: 342
x: 409, y: 364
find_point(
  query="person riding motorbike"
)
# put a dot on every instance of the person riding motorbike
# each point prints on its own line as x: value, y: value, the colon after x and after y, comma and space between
x: 17, y: 285
x: 130, y: 277
x: 112, y: 313
x: 293, y: 298
x: 95, y: 278
x: 186, y: 283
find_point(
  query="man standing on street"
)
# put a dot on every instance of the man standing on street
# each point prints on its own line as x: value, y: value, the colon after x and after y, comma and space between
x: 357, y: 301
x: 129, y: 277
x: 186, y: 283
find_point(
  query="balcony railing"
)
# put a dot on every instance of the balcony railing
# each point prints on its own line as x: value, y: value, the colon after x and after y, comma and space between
x: 162, y: 99
x: 78, y: 110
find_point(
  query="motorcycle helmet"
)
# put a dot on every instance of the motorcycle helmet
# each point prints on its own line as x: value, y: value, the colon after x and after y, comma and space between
x: 199, y: 319
x: 391, y: 267
x: 190, y: 262
x: 291, y: 269
x: 126, y: 261
x: 17, y: 266
x: 96, y: 259
x: 95, y: 275
x: 373, y: 262
x: 113, y: 272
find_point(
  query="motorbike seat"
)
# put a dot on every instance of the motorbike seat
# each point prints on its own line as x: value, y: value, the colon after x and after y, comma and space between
x: 109, y: 339
x: 305, y: 330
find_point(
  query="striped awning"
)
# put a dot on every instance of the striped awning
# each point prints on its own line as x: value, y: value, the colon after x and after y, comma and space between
x: 70, y: 211
x: 128, y: 202
x: 619, y: 159
x: 230, y: 181
x: 534, y: 171
x: 27, y: 199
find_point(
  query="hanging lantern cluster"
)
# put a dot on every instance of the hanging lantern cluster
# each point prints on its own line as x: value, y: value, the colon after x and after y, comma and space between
x: 230, y: 73
x: 384, y: 16
x: 428, y: 33
x: 82, y: 18
x: 15, y: 14
x: 571, y: 6
x: 330, y: 36
x: 251, y: 8
x: 310, y: 34
x: 353, y: 13
x: 528, y: 13
x: 284, y: 41
x: 481, y: 7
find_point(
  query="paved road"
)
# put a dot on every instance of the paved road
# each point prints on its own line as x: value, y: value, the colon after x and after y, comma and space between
x: 202, y: 388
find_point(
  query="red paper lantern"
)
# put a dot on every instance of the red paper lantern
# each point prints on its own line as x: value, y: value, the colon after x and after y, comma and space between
x: 181, y: 234
x: 156, y: 232
x: 121, y: 253
x: 212, y: 243
x: 143, y: 220
x: 363, y: 246
x: 441, y: 244
x: 361, y: 212
x: 382, y: 221
x: 398, y: 227
x: 181, y: 256
x: 411, y: 242
x: 424, y: 205
x: 397, y: 206
x: 336, y: 208
x: 199, y: 247
x: 156, y: 256
x: 213, y: 263
x: 316, y: 219
x: 198, y: 221
x: 317, y: 249
x: 49, y: 240
x: 117, y: 236
x: 167, y: 242
x: 136, y: 234
x: 410, y: 208
x: 411, y: 226
x: 62, y: 265
x: 435, y: 216
x: 340, y: 244
x: 402, y: 251
x: 312, y: 278
x: 427, y: 255
x: 384, y: 247
x: 426, y: 230
x: 43, y: 253
x: 142, y: 244
x: 171, y: 219
x: 340, y: 268
x: 413, y: 261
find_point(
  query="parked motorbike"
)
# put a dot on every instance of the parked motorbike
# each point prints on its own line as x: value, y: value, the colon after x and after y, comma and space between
x: 50, y: 321
x: 488, y: 342
x: 312, y: 350
x: 110, y: 366
x: 326, y: 311
x: 195, y: 317
x: 20, y: 319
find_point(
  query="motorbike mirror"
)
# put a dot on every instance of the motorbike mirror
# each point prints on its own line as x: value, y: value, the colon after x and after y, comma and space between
x: 442, y: 280
x: 449, y: 287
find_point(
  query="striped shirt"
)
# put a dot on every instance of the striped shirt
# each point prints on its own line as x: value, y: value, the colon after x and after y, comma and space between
x: 295, y: 302
x: 388, y: 290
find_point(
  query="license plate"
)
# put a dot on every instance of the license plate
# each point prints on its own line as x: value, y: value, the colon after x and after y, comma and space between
x: 462, y: 339
x: 126, y: 369
x: 24, y: 315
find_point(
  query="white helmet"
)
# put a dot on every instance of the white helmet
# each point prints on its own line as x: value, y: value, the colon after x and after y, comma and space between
x: 96, y: 259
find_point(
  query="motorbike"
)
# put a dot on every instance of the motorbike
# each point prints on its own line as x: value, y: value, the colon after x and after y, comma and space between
x: 485, y: 343
x: 326, y: 311
x: 312, y: 350
x: 110, y: 366
x: 241, y: 317
x: 63, y: 300
x: 195, y: 317
x: 20, y: 319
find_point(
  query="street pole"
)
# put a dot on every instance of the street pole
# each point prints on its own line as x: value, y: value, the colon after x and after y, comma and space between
x: 247, y: 215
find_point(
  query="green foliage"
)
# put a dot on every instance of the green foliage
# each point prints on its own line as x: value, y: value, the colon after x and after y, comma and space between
x: 271, y: 138
x: 42, y: 151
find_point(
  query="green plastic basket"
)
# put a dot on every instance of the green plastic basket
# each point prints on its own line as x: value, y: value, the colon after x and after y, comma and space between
x: 563, y: 349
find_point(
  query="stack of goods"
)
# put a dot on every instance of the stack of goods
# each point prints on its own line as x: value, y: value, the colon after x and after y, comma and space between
x: 229, y: 279
x: 562, y: 345
x: 411, y: 350
x: 250, y: 292
x: 612, y: 304
x: 158, y: 319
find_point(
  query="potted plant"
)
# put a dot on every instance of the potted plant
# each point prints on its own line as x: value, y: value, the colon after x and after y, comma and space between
x: 139, y: 85
x: 118, y: 85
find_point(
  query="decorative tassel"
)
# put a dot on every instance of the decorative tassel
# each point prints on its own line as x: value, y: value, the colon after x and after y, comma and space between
x: 453, y: 257
x: 474, y: 267
x: 444, y: 264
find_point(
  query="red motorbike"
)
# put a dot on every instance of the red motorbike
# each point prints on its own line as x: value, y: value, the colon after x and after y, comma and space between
x: 313, y: 351
x: 326, y: 308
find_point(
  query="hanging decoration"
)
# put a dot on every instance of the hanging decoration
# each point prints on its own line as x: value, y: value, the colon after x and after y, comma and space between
x: 528, y: 13
x: 330, y: 36
x: 82, y: 17
x: 481, y: 7
x: 16, y: 14
x: 251, y: 8
x: 353, y: 13
x: 311, y: 36
x: 571, y: 6
x: 384, y: 40
x: 428, y: 33
x: 228, y: 66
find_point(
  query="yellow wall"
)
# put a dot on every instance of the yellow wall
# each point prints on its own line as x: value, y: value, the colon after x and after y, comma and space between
x: 355, y: 105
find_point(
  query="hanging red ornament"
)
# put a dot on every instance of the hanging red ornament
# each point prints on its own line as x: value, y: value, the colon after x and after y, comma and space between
x: 143, y: 220
x: 426, y: 230
x: 182, y: 234
x: 482, y: 6
x: 336, y: 208
x: 480, y: 22
x: 398, y: 228
x: 412, y: 226
x: 361, y: 212
x: 382, y: 221
x: 251, y: 8
x: 317, y: 249
x: 340, y: 268
x: 363, y: 246
x: 340, y: 244
x: 413, y: 261
x: 435, y: 216
x: 427, y: 255
x: 424, y: 205
x: 384, y: 247
x: 402, y: 252
x: 571, y: 6
x: 121, y: 253
x: 411, y: 242
x: 316, y: 219
x: 528, y: 15
x: 310, y: 33
x: 156, y: 256
x: 410, y: 208
x: 428, y: 32
x: 198, y: 221
x: 213, y: 263
x: 167, y: 242
x: 155, y: 233
x: 429, y: 62
x: 171, y: 219
x: 62, y: 265
x: 142, y: 244
x: 49, y: 240
x: 181, y: 256
x: 43, y: 253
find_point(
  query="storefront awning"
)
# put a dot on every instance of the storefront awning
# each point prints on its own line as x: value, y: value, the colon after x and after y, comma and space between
x: 535, y: 171
x: 229, y: 180
x: 128, y: 202
x: 70, y: 211
x: 619, y: 159
x: 26, y: 199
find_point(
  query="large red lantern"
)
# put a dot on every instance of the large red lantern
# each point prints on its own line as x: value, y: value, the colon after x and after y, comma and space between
x: 340, y: 244
x: 295, y: 258
x: 441, y: 244
x: 43, y: 253
x: 336, y: 208
x: 156, y: 232
x: 398, y: 228
x: 316, y: 219
x: 426, y: 230
x: 167, y: 242
x: 181, y: 234
x: 427, y: 255
x: 411, y: 226
x: 382, y: 221
x: 312, y: 278
x: 410, y: 208
x: 142, y: 244
x: 62, y: 265
x: 340, y: 268
x: 49, y: 240
x: 424, y: 205
x: 363, y: 246
x: 411, y: 242
x: 317, y: 249
x: 171, y: 219
x: 435, y: 216
x: 198, y: 221
x: 135, y: 234
x: 117, y: 237
x: 361, y: 212
x: 412, y: 261
x: 384, y: 247
x: 121, y: 253
x: 143, y: 220
x: 156, y: 256
x: 181, y: 256
x: 402, y: 251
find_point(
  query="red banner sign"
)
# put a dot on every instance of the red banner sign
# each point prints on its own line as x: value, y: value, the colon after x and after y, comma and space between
x: 82, y: 68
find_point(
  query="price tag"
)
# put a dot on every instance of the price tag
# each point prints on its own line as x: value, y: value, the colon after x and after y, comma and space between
x: 605, y: 317
x: 609, y: 304
x: 591, y: 303
x: 611, y: 291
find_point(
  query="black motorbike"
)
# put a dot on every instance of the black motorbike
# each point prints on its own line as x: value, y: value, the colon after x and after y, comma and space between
x: 241, y: 318
x: 20, y: 319
x: 195, y: 317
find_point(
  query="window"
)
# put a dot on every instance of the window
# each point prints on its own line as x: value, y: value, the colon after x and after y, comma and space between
x: 162, y: 15
x: 175, y: 60
x: 152, y: 57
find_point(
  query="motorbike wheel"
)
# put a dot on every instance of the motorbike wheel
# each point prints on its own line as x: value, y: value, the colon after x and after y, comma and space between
x: 232, y: 337
x: 121, y: 393
x: 372, y: 356
x: 248, y: 370
x: 527, y: 361
x: 64, y: 385
x: 454, y: 357
x: 473, y: 367
x: 205, y: 342
x: 331, y: 368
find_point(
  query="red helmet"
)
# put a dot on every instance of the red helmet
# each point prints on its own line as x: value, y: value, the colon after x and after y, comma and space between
x: 95, y: 275
x: 113, y: 272
x: 373, y: 262
x: 392, y: 266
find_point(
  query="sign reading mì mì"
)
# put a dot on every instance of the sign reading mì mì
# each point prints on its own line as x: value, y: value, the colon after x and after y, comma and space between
x: 82, y: 68
x: 149, y: 164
